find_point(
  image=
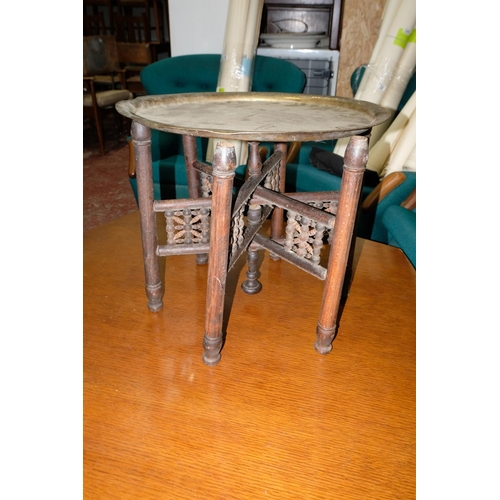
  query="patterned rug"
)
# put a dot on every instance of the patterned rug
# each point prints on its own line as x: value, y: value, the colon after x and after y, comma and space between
x: 107, y: 194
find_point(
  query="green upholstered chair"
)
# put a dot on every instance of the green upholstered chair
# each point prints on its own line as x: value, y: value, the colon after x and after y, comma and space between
x: 401, y: 226
x: 199, y: 73
x: 397, y: 189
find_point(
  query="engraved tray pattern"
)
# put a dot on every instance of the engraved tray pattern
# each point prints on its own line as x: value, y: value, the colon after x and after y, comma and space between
x: 255, y: 116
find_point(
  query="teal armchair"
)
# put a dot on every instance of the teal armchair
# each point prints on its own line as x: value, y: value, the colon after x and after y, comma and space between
x: 199, y: 73
x: 388, y: 214
x: 401, y: 225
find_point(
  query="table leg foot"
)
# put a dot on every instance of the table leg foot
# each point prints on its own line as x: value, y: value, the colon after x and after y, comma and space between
x: 324, y: 339
x: 252, y: 285
x: 201, y: 258
x: 154, y: 294
x: 212, y: 347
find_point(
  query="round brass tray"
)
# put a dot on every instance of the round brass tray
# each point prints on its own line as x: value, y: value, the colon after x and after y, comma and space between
x: 255, y: 116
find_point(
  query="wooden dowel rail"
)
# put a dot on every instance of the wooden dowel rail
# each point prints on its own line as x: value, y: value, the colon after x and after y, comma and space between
x: 266, y: 196
x: 180, y: 204
x: 307, y: 266
x: 193, y: 249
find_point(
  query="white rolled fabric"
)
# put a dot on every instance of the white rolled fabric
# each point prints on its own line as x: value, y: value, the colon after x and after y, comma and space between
x: 379, y: 74
x: 403, y: 148
x: 390, y: 10
x: 232, y: 51
x: 250, y: 43
x: 382, y: 149
x: 397, y: 86
x: 410, y: 164
x: 236, y: 69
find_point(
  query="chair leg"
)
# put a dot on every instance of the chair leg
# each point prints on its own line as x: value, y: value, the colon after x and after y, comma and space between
x: 98, y: 124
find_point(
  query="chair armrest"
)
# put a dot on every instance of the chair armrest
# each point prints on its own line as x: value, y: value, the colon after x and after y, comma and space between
x: 389, y: 183
x: 293, y: 151
x: 411, y: 202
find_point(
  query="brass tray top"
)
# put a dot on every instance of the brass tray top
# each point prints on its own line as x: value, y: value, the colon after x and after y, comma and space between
x: 255, y: 116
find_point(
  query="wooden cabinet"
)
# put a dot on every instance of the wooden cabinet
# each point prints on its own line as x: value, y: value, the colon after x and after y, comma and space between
x: 130, y: 21
x: 140, y: 28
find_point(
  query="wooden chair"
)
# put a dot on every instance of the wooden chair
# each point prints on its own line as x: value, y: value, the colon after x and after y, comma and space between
x: 100, y: 57
x: 134, y: 57
x: 136, y: 50
x: 94, y: 25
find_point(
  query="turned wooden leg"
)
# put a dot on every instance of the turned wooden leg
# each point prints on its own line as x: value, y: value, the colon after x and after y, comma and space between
x: 193, y: 178
x: 277, y: 221
x: 224, y: 164
x: 251, y: 285
x: 355, y: 159
x: 141, y: 138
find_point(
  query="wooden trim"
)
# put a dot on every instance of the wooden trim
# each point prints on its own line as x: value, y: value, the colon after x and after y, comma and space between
x: 293, y: 151
x: 411, y: 202
x: 392, y: 181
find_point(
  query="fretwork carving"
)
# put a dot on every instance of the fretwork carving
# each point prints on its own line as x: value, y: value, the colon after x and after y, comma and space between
x: 304, y: 236
x: 206, y: 184
x: 238, y: 228
x: 187, y: 226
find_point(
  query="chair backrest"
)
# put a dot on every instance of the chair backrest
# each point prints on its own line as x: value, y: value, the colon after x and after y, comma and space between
x: 200, y: 73
x: 100, y: 55
x: 134, y: 53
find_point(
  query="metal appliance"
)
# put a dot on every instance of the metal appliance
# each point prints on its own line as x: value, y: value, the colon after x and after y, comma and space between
x: 319, y: 65
x: 307, y: 33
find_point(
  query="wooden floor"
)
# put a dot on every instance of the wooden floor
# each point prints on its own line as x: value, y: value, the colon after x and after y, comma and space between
x: 274, y: 419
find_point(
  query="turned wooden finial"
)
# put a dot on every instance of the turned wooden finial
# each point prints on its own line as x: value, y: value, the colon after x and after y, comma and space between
x: 356, y: 154
x: 224, y: 160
